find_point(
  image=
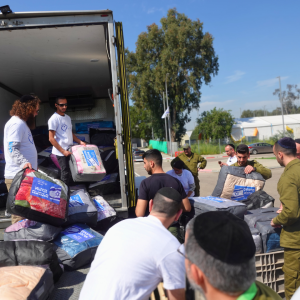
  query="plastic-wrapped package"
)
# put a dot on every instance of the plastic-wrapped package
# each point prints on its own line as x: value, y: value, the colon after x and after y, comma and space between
x: 257, y: 240
x: 259, y: 199
x: 108, y: 185
x: 86, y: 164
x: 103, y: 208
x: 204, y: 204
x: 38, y: 197
x: 260, y: 215
x: 82, y: 209
x: 31, y: 230
x: 76, y: 246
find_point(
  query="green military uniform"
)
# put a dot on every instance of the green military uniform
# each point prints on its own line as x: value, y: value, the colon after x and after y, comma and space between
x: 264, y: 293
x: 289, y: 190
x: 265, y: 172
x: 191, y: 164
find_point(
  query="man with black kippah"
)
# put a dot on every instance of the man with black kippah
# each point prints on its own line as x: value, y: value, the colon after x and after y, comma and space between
x: 289, y: 218
x: 220, y: 258
x: 137, y: 254
x: 243, y: 154
x: 297, y: 141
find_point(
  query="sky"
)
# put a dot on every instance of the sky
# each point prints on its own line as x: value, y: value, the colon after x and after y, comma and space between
x: 256, y: 41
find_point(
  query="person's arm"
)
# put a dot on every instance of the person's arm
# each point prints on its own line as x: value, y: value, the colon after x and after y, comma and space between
x: 56, y: 145
x: 178, y: 294
x: 186, y: 205
x: 202, y: 162
x: 17, y: 157
x: 265, y: 172
x: 191, y: 183
x: 288, y: 191
x: 141, y: 207
x: 77, y: 140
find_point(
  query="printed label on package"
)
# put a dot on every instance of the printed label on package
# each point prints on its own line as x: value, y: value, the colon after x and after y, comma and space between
x: 241, y: 192
x: 98, y: 205
x: 78, y: 234
x: 75, y: 201
x: 215, y: 199
x: 46, y: 190
x: 90, y: 157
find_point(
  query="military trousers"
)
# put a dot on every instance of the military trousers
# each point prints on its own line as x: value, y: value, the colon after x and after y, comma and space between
x: 197, y: 184
x: 291, y: 269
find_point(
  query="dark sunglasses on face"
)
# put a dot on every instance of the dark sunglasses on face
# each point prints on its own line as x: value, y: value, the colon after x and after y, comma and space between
x: 61, y: 105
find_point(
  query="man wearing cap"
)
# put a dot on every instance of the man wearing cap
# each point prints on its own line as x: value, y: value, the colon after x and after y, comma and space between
x: 137, y: 254
x: 289, y: 218
x: 220, y: 258
x: 191, y: 162
x: 243, y: 154
x: 19, y: 147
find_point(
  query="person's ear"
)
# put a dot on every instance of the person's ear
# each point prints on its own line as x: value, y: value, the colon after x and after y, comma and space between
x: 178, y: 215
x: 150, y: 205
x: 198, y: 276
x: 152, y: 164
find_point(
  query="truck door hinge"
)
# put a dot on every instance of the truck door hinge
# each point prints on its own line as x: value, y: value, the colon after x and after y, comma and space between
x: 113, y: 40
x: 118, y: 90
x: 17, y: 22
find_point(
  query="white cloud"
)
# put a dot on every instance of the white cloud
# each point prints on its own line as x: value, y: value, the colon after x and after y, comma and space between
x: 154, y: 9
x: 270, y: 82
x: 235, y: 77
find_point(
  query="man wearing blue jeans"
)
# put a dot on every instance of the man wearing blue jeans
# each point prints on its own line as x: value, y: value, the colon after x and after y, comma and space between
x: 61, y: 137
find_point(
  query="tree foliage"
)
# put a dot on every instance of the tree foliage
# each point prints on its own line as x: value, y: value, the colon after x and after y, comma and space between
x: 140, y: 123
x: 180, y: 49
x: 215, y: 124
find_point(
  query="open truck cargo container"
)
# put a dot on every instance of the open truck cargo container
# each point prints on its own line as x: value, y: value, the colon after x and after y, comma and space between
x: 75, y: 54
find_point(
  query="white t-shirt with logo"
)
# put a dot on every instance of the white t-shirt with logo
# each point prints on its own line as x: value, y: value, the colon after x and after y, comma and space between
x: 62, y: 126
x: 231, y: 160
x: 132, y: 259
x: 16, y: 130
x: 186, y: 179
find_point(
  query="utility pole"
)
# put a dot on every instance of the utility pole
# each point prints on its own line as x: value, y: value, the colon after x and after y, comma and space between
x: 165, y: 118
x: 281, y: 101
x: 169, y: 119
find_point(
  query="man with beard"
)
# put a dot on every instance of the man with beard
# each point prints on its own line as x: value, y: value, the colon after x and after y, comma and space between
x: 19, y: 148
x: 219, y: 256
x: 61, y: 137
x: 243, y: 154
x: 289, y: 218
x: 297, y: 141
x: 158, y: 179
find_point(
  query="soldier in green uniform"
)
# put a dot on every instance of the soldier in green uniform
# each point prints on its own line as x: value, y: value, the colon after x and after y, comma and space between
x: 191, y: 162
x: 242, y: 154
x: 289, y: 191
x: 219, y: 256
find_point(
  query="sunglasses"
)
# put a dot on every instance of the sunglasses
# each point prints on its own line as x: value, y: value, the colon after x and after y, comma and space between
x: 61, y: 105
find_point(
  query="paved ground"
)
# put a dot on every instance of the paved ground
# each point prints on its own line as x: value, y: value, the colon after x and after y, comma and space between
x: 208, y: 179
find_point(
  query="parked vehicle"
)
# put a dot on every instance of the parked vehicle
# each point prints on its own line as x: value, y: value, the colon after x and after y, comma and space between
x: 138, y: 155
x: 260, y: 148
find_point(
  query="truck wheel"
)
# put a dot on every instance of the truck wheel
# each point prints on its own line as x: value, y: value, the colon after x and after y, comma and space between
x: 254, y: 152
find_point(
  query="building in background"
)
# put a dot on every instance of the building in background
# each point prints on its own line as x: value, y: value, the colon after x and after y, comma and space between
x: 263, y: 128
x: 186, y: 139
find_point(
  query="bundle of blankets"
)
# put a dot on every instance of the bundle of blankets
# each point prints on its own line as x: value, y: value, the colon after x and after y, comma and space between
x: 242, y: 195
x: 61, y: 230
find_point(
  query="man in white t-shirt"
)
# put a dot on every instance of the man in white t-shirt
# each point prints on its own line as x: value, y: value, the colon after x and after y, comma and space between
x: 184, y: 176
x: 230, y: 151
x: 19, y: 147
x: 61, y: 137
x: 137, y: 254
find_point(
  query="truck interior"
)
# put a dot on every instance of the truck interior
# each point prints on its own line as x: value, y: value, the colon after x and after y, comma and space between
x: 61, y: 53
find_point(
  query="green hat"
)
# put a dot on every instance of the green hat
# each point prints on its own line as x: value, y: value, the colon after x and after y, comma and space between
x: 186, y: 146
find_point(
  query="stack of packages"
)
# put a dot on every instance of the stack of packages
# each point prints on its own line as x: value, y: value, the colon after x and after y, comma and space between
x: 242, y: 195
x: 62, y: 225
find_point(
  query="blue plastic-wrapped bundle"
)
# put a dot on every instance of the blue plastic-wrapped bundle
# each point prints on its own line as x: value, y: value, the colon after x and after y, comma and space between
x: 77, y: 246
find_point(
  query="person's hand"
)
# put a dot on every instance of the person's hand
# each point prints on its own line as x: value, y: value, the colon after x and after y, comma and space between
x: 67, y: 153
x: 82, y: 143
x: 27, y: 165
x: 274, y: 225
x: 248, y: 169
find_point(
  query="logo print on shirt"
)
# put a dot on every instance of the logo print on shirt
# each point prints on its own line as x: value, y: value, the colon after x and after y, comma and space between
x: 30, y: 139
x: 64, y: 127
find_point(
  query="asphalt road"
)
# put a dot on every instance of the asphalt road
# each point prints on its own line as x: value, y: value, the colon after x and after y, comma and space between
x: 208, y: 180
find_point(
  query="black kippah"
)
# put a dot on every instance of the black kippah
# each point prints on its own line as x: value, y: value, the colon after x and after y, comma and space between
x: 224, y: 236
x: 287, y: 143
x: 26, y: 98
x: 297, y: 141
x: 179, y: 164
x: 170, y: 193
